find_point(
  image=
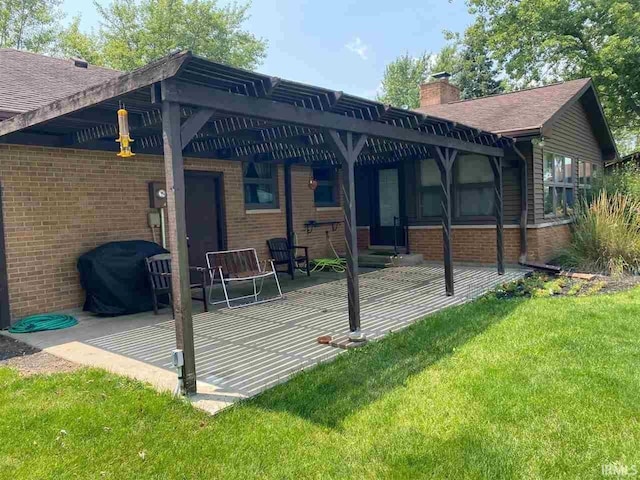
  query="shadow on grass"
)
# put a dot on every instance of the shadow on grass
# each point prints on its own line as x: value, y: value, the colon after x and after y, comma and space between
x: 329, y: 393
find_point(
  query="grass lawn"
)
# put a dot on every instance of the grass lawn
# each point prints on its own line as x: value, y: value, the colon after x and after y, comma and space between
x: 538, y: 388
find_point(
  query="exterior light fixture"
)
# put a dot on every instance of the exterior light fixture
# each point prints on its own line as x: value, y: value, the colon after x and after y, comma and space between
x: 313, y: 183
x: 124, y: 139
x: 538, y: 142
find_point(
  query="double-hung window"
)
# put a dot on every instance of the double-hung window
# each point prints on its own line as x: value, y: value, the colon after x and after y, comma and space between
x: 326, y: 192
x: 558, y: 185
x: 260, y: 185
x: 474, y: 187
x: 429, y: 188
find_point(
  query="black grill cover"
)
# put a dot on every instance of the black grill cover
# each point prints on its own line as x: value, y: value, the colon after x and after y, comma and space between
x: 114, y: 276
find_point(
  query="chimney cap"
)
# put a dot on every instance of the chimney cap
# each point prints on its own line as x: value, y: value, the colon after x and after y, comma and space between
x: 441, y: 75
x: 79, y: 62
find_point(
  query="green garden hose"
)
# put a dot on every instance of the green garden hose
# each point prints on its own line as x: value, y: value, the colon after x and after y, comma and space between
x: 335, y: 264
x: 38, y: 323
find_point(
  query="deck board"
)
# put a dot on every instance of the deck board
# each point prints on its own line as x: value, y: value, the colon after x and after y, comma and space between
x: 247, y: 350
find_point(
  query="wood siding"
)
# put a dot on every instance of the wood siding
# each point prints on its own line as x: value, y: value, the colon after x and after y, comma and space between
x: 573, y: 136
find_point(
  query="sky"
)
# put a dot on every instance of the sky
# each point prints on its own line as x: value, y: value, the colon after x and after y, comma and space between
x: 343, y: 45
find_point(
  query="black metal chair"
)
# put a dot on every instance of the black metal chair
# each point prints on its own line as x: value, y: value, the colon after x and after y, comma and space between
x: 159, y: 271
x: 283, y: 253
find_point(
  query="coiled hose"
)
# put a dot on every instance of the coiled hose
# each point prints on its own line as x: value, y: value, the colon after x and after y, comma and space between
x: 336, y: 264
x: 39, y: 323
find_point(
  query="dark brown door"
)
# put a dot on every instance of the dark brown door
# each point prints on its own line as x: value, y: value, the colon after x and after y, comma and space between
x: 205, y: 216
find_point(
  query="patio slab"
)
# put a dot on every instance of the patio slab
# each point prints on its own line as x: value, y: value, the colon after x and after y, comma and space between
x: 242, y: 352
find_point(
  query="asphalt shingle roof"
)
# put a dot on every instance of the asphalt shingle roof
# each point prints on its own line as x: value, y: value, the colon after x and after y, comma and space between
x: 29, y: 80
x: 511, y: 112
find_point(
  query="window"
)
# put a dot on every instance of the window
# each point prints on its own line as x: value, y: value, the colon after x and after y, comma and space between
x: 558, y: 185
x: 260, y: 185
x: 429, y: 188
x: 587, y: 171
x: 326, y: 193
x: 474, y: 188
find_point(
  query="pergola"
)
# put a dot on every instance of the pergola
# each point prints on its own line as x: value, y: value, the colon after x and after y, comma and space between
x: 185, y: 105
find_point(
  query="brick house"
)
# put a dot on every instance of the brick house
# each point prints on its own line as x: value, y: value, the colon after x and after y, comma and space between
x: 64, y: 191
x: 562, y: 133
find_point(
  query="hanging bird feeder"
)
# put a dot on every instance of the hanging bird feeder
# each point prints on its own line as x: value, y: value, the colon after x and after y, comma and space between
x: 123, y: 129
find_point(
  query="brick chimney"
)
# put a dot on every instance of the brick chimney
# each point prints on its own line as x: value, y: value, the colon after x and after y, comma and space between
x: 438, y: 90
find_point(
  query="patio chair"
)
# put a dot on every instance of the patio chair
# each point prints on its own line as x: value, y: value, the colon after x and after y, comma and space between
x: 285, y: 254
x: 159, y: 271
x: 238, y: 266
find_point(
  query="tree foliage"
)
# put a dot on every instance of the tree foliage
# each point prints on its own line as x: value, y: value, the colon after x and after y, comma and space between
x: 29, y: 24
x: 134, y: 33
x: 548, y: 40
x: 467, y: 60
x: 475, y: 72
x: 402, y: 79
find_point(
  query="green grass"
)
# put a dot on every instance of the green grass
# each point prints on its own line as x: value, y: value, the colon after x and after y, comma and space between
x: 523, y: 388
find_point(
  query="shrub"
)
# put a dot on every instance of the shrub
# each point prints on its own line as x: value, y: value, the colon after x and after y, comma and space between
x: 624, y: 179
x: 606, y: 235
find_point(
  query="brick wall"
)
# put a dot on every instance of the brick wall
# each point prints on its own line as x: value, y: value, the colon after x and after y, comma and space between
x: 364, y: 238
x: 479, y: 244
x: 544, y: 243
x: 59, y: 204
x: 469, y: 244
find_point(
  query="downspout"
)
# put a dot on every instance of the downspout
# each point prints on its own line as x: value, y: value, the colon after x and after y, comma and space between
x: 5, y: 311
x: 524, y: 205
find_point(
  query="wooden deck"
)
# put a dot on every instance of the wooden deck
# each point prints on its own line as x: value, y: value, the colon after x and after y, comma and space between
x: 245, y: 351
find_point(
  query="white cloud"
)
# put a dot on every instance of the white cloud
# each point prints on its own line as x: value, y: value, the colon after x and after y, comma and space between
x: 358, y: 47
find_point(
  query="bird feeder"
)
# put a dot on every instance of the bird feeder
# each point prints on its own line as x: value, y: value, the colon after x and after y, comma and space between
x: 124, y: 139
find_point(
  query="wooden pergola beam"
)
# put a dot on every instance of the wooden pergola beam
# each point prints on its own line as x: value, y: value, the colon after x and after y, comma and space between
x: 116, y: 87
x: 193, y: 124
x: 200, y: 96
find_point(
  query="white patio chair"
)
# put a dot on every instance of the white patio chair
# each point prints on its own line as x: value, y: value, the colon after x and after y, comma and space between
x: 240, y: 266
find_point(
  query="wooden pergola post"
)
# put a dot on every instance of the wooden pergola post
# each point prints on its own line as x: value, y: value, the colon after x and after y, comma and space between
x: 496, y: 166
x: 445, y: 158
x: 177, y: 235
x: 175, y: 137
x: 347, y: 150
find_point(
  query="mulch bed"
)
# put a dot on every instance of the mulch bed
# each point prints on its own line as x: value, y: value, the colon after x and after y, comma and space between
x: 540, y: 284
x: 29, y: 360
x: 614, y: 284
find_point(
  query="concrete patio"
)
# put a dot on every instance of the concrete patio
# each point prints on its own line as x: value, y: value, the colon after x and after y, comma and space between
x: 241, y: 352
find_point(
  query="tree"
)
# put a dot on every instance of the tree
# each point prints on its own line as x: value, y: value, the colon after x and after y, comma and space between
x: 29, y: 24
x: 74, y: 43
x: 547, y: 40
x: 134, y: 33
x: 476, y: 73
x: 402, y: 79
x: 468, y: 61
